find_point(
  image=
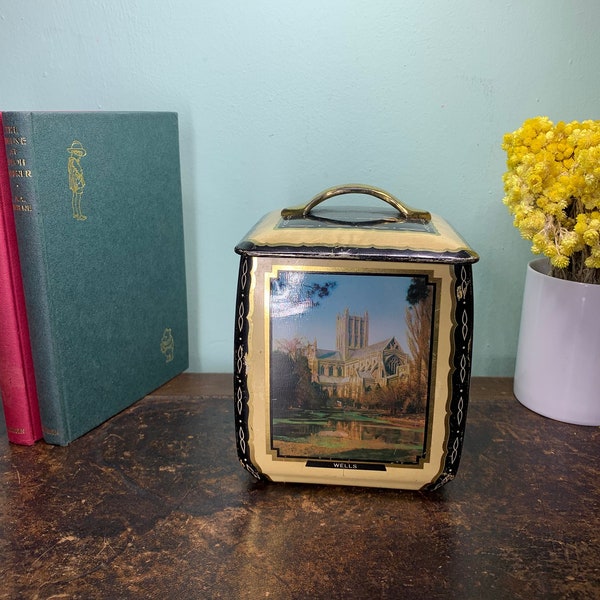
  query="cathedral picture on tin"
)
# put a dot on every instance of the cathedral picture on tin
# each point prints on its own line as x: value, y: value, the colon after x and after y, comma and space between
x: 350, y: 365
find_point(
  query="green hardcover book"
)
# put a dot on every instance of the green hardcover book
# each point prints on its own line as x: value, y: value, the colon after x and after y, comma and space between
x: 97, y: 201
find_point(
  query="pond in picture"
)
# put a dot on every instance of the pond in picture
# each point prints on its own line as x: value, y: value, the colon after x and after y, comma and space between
x: 350, y: 364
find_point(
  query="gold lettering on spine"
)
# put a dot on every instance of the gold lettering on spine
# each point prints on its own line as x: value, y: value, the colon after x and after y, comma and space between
x: 19, y: 173
x: 15, y: 143
x: 17, y: 430
x: 25, y: 207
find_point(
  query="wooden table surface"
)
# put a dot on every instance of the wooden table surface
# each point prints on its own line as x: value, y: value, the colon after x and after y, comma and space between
x: 154, y: 504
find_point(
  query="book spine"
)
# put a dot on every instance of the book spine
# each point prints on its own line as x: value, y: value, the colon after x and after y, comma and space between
x: 29, y: 223
x: 17, y: 380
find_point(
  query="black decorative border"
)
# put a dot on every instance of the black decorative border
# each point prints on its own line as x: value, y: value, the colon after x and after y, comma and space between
x: 461, y: 373
x: 240, y: 385
x: 459, y: 256
x: 345, y: 221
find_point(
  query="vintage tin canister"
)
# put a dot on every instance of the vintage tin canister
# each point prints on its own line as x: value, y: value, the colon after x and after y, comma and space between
x: 353, y: 336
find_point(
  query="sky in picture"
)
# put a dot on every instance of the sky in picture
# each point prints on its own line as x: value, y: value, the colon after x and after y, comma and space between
x: 383, y: 296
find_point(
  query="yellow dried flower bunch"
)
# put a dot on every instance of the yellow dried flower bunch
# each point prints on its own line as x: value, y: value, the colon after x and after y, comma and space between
x: 552, y: 187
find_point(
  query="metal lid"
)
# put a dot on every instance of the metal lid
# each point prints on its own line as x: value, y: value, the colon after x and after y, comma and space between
x: 393, y: 232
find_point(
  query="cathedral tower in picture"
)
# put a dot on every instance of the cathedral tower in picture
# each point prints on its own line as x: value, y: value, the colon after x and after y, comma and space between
x: 355, y: 366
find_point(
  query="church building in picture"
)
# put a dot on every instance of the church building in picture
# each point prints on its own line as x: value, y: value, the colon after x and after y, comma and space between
x: 355, y: 366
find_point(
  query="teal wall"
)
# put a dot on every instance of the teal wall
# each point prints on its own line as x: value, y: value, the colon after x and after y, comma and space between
x: 279, y: 100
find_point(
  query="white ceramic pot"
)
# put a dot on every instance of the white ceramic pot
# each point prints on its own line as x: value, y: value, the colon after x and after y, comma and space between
x: 558, y: 357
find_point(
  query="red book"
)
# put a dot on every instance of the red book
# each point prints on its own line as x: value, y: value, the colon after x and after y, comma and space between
x: 17, y: 379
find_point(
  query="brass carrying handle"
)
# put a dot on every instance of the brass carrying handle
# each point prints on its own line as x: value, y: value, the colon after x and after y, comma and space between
x: 406, y: 213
